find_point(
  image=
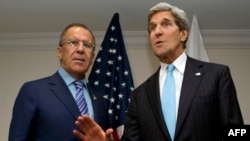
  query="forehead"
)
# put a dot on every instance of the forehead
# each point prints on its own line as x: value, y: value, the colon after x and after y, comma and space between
x: 77, y: 31
x: 162, y: 16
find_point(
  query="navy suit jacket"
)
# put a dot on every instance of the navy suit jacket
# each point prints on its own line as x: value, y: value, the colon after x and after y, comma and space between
x: 45, y: 110
x: 208, y: 103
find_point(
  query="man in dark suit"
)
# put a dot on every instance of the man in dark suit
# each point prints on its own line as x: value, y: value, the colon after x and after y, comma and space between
x: 205, y: 96
x: 46, y: 109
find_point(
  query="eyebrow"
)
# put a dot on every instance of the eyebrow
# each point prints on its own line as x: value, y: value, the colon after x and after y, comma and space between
x: 164, y: 19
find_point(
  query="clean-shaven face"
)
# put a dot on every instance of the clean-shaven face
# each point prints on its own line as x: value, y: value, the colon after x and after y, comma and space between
x: 74, y: 56
x: 165, y: 36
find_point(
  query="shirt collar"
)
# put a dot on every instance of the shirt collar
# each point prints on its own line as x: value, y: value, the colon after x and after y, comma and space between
x: 68, y: 79
x: 179, y: 63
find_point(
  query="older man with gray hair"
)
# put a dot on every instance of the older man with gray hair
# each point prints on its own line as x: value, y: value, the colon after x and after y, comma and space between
x: 192, y: 101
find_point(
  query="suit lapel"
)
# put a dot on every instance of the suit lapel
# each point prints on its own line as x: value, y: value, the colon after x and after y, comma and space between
x: 95, y: 100
x: 153, y: 93
x: 192, y: 76
x: 61, y: 91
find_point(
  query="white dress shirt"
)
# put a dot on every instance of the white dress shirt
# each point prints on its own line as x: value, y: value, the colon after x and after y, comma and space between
x: 178, y: 73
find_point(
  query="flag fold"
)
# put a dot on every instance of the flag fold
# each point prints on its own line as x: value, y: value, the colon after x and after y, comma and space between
x: 195, y: 46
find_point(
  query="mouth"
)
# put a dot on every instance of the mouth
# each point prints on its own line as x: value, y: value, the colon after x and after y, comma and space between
x: 79, y: 60
x: 158, y: 43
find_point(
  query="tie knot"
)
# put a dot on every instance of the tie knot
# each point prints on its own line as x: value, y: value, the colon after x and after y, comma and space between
x: 78, y: 84
x: 170, y: 68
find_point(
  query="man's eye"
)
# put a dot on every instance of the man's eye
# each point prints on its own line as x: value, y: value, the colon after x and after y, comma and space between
x: 151, y: 28
x: 87, y: 45
x: 166, y: 23
x: 74, y: 43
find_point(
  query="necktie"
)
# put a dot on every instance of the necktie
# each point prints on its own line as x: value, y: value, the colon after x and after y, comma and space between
x: 168, y: 101
x: 80, y: 100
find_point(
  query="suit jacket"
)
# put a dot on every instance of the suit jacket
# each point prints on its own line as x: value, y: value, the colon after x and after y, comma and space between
x: 45, y: 110
x: 207, y: 104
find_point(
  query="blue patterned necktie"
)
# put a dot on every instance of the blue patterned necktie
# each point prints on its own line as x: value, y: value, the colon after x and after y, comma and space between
x: 80, y: 100
x: 168, y: 101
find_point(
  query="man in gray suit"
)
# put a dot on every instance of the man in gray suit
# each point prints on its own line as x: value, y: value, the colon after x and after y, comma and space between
x: 205, y: 95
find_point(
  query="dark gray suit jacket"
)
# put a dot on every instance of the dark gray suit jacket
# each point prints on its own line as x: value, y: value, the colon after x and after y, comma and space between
x: 208, y: 103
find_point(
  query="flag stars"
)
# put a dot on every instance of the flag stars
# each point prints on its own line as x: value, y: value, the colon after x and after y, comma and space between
x: 112, y: 100
x: 125, y: 73
x: 120, y: 96
x: 132, y: 88
x: 105, y: 96
x: 98, y: 60
x: 110, y: 111
x: 119, y: 58
x: 107, y: 85
x: 110, y: 62
x: 123, y: 84
x: 112, y: 51
x: 118, y: 106
x: 112, y: 39
x: 108, y: 73
x: 112, y: 28
x: 96, y: 83
x: 112, y: 67
x: 98, y: 71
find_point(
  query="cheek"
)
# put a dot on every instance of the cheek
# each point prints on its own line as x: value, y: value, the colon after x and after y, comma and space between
x: 152, y: 39
x: 66, y: 55
x: 174, y: 37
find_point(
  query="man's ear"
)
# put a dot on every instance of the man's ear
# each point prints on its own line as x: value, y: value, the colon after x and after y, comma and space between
x: 184, y: 35
x: 59, y: 52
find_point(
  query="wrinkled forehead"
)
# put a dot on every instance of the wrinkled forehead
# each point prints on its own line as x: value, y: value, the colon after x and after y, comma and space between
x: 79, y: 33
x: 161, y: 16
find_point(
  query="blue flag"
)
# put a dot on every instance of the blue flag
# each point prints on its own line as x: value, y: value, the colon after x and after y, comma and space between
x: 111, y: 74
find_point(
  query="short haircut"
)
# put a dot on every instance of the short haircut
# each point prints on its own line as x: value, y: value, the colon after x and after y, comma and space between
x: 180, y: 17
x: 74, y: 25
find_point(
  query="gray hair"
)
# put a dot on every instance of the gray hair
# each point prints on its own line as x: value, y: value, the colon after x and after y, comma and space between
x: 179, y: 15
x: 62, y: 35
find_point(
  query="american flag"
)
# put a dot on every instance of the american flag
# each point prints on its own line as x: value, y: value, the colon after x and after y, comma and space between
x: 111, y: 76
